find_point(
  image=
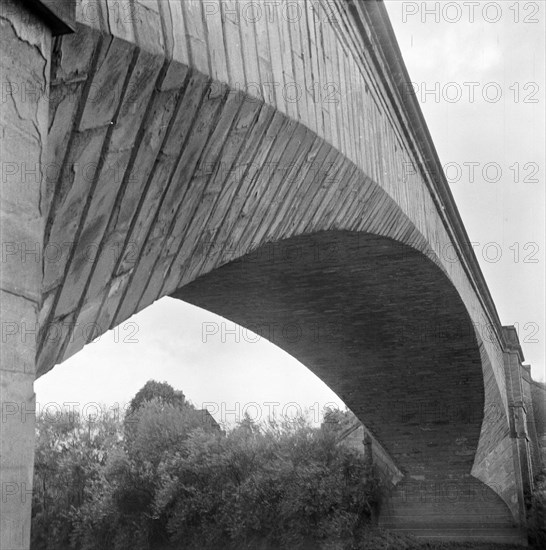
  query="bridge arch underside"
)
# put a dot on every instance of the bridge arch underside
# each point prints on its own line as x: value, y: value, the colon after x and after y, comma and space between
x: 161, y: 173
x: 383, y: 327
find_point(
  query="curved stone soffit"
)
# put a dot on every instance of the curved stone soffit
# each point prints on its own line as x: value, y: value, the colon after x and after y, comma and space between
x: 374, y: 319
x: 494, y: 461
x: 144, y: 149
x: 384, y: 327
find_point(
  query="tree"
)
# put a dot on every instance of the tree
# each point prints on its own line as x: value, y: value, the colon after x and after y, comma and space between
x: 285, y: 485
x: 70, y: 452
x: 167, y: 477
x: 156, y: 390
x: 122, y: 515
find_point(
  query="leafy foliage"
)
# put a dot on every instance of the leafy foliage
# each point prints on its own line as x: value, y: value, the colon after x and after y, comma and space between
x: 338, y: 420
x: 537, y: 512
x: 163, y: 476
x: 71, y: 453
x: 284, y: 486
x: 160, y: 391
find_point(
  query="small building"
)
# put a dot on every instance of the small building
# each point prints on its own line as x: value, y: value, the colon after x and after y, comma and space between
x: 208, y: 420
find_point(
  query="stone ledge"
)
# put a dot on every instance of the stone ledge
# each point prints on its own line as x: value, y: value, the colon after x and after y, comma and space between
x: 512, y: 341
x: 60, y: 16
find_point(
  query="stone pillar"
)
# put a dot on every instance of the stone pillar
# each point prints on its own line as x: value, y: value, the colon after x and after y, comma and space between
x: 534, y: 446
x: 538, y: 395
x: 25, y: 55
x: 523, y: 470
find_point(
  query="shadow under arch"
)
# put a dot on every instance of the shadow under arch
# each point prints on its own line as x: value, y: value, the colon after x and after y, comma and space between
x: 383, y: 326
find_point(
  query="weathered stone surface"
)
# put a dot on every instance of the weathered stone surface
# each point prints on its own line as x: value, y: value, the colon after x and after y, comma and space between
x: 17, y: 443
x: 19, y: 317
x: 22, y: 252
x: 25, y: 53
x: 23, y: 64
x: 76, y: 178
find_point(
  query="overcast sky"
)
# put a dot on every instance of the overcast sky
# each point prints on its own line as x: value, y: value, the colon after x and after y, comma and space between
x: 480, y: 79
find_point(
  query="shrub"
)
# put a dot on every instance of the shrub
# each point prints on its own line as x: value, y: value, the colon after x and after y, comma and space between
x: 285, y: 486
x: 537, y: 512
x: 164, y: 476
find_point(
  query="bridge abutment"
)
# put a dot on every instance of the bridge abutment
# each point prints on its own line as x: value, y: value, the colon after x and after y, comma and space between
x: 522, y: 425
x: 25, y: 61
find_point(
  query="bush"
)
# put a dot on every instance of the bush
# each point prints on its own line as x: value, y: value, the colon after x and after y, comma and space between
x: 285, y: 487
x: 163, y: 476
x: 70, y: 454
x: 537, y: 512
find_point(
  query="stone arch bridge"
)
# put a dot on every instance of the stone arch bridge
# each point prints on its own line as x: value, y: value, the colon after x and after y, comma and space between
x: 263, y: 160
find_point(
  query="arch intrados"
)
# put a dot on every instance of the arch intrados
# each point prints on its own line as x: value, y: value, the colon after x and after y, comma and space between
x: 287, y: 285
